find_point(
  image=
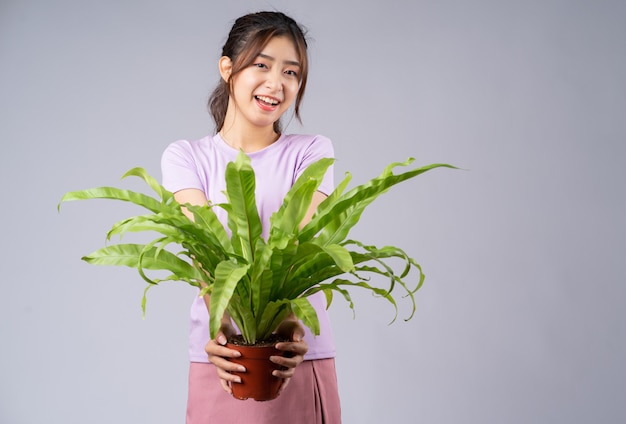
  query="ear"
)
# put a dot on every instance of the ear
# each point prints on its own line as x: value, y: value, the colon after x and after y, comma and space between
x: 226, y: 67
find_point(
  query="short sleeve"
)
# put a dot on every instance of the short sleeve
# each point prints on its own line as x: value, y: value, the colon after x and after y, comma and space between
x: 319, y: 147
x: 179, y: 169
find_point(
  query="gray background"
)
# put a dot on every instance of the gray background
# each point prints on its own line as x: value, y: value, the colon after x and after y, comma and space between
x: 521, y: 319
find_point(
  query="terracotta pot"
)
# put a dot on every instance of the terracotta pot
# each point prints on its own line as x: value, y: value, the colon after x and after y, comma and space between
x: 257, y: 382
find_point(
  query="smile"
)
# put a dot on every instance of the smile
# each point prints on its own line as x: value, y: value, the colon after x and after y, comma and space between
x: 267, y: 100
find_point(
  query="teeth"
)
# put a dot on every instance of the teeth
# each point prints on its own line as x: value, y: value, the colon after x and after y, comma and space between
x: 267, y: 100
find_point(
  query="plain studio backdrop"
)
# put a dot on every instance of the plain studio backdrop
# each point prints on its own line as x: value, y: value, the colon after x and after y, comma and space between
x: 522, y: 318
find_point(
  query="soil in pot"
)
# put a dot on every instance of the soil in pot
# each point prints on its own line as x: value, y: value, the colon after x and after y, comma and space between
x: 257, y: 382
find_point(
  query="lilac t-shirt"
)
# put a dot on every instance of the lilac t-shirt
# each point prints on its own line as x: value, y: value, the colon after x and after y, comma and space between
x: 201, y: 164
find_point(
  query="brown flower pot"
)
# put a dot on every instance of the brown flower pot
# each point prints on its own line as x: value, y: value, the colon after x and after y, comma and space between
x: 257, y: 382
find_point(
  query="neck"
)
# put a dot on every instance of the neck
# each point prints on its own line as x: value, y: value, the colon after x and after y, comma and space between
x: 248, y: 139
x: 240, y: 133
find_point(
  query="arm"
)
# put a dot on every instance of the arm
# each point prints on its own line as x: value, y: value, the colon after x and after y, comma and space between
x: 318, y: 197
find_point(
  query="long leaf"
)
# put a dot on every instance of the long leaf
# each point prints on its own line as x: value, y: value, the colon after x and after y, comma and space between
x: 164, y: 194
x: 227, y: 275
x: 333, y: 222
x: 244, y: 319
x: 113, y: 193
x: 129, y: 255
x: 335, y: 285
x: 298, y: 200
x: 273, y: 315
x: 205, y: 216
x: 141, y: 223
x: 243, y: 216
x: 305, y: 312
x: 261, y: 278
x: 312, y: 259
x: 259, y: 282
x: 285, y: 222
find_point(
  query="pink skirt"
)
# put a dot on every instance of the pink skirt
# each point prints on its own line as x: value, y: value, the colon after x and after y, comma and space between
x: 310, y: 398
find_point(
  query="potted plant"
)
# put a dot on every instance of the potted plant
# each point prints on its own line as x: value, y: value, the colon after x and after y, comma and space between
x: 259, y: 282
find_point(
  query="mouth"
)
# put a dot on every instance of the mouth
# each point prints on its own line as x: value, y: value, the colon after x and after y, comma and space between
x: 267, y: 101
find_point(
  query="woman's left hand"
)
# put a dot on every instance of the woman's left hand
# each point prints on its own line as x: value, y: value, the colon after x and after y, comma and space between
x: 294, y: 350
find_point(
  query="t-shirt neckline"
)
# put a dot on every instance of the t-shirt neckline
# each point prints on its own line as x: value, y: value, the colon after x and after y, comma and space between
x: 224, y: 145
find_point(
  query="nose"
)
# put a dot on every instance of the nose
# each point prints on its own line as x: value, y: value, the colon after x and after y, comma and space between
x: 274, y: 81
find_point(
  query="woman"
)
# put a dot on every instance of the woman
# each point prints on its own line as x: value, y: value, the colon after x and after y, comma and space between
x: 263, y: 71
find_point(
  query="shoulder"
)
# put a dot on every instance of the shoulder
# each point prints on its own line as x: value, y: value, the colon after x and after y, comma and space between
x: 199, y: 152
x: 184, y: 163
x: 183, y: 156
x: 307, y: 138
x: 188, y: 147
x: 317, y: 143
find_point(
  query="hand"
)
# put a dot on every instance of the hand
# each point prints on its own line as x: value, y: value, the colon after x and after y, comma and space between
x: 294, y: 350
x: 219, y: 354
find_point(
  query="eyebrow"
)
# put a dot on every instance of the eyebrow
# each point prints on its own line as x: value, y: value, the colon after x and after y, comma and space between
x: 288, y: 62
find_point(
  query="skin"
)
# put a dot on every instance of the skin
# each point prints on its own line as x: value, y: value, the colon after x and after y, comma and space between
x: 274, y: 74
x: 249, y: 126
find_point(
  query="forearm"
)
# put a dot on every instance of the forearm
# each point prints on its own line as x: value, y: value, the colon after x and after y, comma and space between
x: 226, y: 319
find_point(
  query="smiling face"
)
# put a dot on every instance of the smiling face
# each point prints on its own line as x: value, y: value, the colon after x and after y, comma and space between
x: 263, y: 91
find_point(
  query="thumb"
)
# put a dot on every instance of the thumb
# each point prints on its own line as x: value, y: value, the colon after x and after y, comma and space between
x: 220, y: 338
x: 293, y: 330
x: 297, y: 334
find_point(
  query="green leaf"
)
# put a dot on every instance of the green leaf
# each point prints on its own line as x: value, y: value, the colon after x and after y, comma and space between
x: 340, y: 256
x: 154, y: 259
x: 143, y: 223
x: 261, y: 278
x: 329, y: 297
x: 227, y: 275
x: 274, y: 313
x: 260, y: 282
x: 336, y: 286
x: 333, y: 222
x: 205, y: 216
x: 113, y: 193
x: 296, y: 203
x: 243, y: 216
x: 285, y: 222
x: 305, y: 312
x: 240, y: 313
x: 165, y: 195
x: 326, y: 204
x: 144, y: 299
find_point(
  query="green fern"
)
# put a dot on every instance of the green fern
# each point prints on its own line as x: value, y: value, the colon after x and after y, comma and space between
x: 260, y: 282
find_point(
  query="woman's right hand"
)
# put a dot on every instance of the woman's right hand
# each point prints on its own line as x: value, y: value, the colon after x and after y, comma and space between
x: 218, y: 355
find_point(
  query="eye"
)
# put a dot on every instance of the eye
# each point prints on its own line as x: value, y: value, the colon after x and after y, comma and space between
x: 291, y: 73
x: 260, y: 65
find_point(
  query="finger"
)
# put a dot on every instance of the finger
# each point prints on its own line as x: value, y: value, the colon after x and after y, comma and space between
x: 297, y: 348
x: 220, y: 338
x: 291, y: 330
x: 284, y: 385
x: 226, y: 365
x: 287, y: 363
x: 225, y: 331
x: 297, y: 334
x: 227, y: 376
x: 226, y: 386
x: 284, y: 373
x: 212, y: 348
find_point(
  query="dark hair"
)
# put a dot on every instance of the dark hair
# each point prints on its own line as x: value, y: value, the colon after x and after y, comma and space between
x: 247, y: 38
